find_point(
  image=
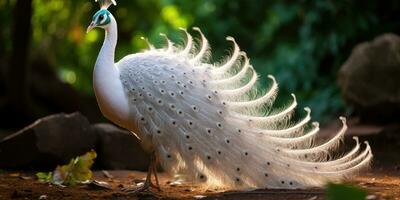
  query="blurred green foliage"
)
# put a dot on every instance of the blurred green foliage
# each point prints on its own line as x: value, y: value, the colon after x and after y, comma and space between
x: 302, y: 43
x: 344, y: 192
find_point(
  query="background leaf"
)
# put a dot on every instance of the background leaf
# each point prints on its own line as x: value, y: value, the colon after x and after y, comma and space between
x: 344, y: 192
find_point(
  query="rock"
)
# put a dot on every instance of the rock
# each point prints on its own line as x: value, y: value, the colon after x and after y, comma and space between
x: 371, y: 197
x: 50, y: 141
x: 54, y: 140
x: 119, y: 149
x: 370, y: 79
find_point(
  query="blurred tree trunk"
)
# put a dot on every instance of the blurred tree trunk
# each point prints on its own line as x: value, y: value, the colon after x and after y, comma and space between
x: 16, y: 74
x: 34, y: 94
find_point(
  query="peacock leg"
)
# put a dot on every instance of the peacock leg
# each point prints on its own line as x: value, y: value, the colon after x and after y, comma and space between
x: 147, y: 183
x: 157, y: 185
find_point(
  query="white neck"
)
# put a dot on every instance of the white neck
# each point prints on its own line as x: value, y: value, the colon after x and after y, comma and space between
x: 106, y: 80
x: 106, y: 55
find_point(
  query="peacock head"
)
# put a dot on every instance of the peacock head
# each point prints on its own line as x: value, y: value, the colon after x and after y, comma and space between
x: 101, y: 18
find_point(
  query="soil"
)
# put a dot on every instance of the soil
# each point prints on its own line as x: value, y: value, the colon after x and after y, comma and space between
x: 382, y: 181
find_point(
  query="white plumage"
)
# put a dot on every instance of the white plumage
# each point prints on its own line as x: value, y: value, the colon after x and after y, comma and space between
x: 206, y: 123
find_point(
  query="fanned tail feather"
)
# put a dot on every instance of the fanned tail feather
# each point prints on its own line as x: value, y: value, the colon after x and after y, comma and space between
x: 210, y: 129
x: 189, y: 42
x: 203, y: 52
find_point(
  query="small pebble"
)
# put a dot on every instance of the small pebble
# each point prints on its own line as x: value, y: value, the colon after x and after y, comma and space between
x: 140, y: 184
x: 136, y: 181
x: 199, y: 196
x: 175, y: 183
x: 43, y: 197
x: 371, y: 197
x: 107, y: 174
x: 25, y: 177
x: 313, y: 198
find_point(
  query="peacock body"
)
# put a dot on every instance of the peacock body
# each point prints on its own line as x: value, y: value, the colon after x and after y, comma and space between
x: 207, y: 123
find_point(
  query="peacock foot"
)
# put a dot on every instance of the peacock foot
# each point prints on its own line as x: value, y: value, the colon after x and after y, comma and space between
x: 148, y: 184
x: 143, y: 187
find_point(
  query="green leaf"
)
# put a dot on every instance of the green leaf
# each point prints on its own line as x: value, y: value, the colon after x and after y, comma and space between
x: 345, y: 192
x: 76, y: 171
x: 44, y: 177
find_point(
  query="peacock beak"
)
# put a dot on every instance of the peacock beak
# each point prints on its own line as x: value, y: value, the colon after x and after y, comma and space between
x: 90, y: 27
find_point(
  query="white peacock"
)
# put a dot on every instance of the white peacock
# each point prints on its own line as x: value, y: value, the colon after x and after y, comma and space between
x: 203, y: 123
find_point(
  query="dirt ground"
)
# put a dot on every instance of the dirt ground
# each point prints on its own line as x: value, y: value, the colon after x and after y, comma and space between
x: 382, y: 181
x: 380, y: 184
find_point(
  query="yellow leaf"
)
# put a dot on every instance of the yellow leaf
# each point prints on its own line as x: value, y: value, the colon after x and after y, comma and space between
x: 76, y: 171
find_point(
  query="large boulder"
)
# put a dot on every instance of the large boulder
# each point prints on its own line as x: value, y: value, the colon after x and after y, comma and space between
x: 47, y: 142
x: 370, y: 79
x: 119, y: 149
x: 55, y: 139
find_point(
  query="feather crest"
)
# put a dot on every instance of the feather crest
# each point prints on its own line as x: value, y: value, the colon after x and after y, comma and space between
x: 105, y: 4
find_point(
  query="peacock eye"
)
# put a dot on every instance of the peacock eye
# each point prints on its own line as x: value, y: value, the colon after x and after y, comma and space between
x: 101, y: 17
